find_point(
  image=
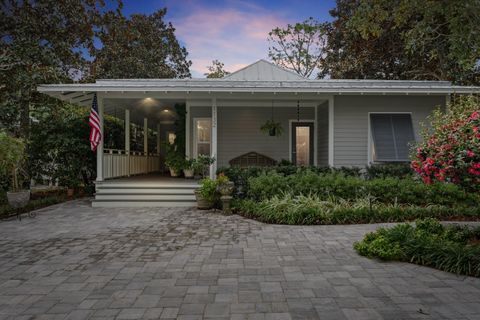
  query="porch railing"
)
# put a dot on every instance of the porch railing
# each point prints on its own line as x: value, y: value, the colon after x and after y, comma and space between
x: 118, y: 163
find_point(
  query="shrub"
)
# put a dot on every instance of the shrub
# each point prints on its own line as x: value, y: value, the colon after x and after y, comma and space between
x: 313, y: 209
x: 450, y: 151
x: 382, y: 171
x: 450, y: 248
x: 208, y: 189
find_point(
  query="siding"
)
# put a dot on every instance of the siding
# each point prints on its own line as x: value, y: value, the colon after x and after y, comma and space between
x: 351, y: 121
x: 322, y: 131
x: 239, y: 131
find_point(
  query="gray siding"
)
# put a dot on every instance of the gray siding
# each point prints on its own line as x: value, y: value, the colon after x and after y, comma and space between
x: 322, y: 131
x: 351, y: 121
x: 239, y: 131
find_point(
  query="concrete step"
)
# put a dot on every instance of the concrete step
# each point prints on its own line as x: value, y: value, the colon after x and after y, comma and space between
x: 141, y: 203
x: 133, y: 191
x: 138, y: 197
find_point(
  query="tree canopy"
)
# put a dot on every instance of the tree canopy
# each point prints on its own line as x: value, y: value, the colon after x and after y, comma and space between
x: 216, y: 70
x: 405, y: 39
x: 299, y: 47
x: 141, y: 46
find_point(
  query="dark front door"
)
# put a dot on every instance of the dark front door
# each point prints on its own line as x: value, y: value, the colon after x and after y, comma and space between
x: 302, y: 143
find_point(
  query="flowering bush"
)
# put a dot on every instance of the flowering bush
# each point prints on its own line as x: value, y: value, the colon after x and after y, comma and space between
x: 450, y: 150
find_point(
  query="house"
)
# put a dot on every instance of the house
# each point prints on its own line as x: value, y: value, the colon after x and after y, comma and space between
x: 325, y: 122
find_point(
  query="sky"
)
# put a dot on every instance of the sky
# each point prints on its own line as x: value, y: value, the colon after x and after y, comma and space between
x: 232, y: 31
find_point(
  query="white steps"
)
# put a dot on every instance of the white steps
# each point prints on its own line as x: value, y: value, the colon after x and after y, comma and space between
x: 144, y: 194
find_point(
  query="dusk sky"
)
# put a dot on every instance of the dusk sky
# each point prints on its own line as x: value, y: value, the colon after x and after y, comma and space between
x: 233, y: 31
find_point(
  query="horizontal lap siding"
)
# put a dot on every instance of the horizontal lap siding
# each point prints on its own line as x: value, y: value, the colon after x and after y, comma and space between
x: 239, y: 131
x: 351, y: 121
x: 322, y: 131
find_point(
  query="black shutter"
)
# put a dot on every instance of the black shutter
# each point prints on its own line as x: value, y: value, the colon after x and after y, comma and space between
x: 391, y: 134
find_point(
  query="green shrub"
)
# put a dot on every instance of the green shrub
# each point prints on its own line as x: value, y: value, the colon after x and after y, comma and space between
x: 395, y: 170
x: 429, y: 243
x: 313, y: 209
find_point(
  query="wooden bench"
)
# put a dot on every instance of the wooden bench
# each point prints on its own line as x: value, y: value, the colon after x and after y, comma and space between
x: 252, y: 159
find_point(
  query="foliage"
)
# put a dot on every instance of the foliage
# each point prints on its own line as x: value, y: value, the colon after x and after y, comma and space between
x: 34, y: 204
x: 313, y: 209
x: 173, y: 159
x: 405, y: 39
x: 139, y: 46
x: 12, y: 159
x: 388, y: 190
x: 202, y: 163
x: 272, y: 128
x: 216, y: 70
x: 299, y: 47
x: 208, y: 189
x: 448, y: 248
x: 399, y: 170
x: 179, y: 127
x: 450, y: 151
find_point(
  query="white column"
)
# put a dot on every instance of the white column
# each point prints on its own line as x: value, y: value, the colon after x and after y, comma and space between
x: 127, y: 140
x: 213, y: 152
x: 158, y: 138
x: 145, y: 136
x: 187, y: 129
x: 100, y: 145
x: 315, y: 137
x: 331, y: 140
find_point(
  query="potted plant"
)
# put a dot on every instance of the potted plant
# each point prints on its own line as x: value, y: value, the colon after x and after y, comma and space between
x: 272, y: 128
x: 188, y: 168
x: 201, y: 164
x: 225, y: 188
x: 173, y: 160
x: 206, y: 194
x: 12, y: 160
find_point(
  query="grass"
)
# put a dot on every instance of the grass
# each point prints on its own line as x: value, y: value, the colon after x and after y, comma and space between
x: 449, y: 248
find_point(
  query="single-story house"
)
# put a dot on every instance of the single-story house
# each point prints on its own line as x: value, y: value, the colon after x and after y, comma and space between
x: 325, y: 122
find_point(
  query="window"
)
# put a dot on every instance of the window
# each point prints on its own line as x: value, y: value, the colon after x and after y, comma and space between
x: 391, y: 134
x: 202, y: 136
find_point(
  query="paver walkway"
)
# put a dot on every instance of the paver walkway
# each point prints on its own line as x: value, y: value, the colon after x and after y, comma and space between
x: 77, y: 262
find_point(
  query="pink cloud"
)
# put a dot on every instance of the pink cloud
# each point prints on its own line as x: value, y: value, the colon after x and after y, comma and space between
x: 235, y: 36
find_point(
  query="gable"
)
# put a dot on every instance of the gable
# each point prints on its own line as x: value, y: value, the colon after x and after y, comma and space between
x: 264, y: 71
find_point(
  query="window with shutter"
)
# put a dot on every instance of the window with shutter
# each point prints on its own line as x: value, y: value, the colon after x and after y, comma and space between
x: 392, y: 134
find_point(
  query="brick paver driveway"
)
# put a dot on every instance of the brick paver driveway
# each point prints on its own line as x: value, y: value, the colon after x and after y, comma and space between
x: 76, y: 262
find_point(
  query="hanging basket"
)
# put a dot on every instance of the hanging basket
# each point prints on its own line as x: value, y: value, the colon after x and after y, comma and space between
x: 273, y: 129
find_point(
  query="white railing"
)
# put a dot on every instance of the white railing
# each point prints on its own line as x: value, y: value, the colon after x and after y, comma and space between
x: 117, y: 163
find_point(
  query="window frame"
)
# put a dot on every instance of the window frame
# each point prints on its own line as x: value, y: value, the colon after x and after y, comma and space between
x: 371, y: 145
x: 195, y: 135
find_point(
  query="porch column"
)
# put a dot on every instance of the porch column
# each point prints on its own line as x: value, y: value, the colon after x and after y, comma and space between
x: 127, y: 140
x: 331, y: 131
x: 100, y: 145
x: 187, y: 129
x: 213, y: 152
x: 158, y: 138
x: 145, y: 136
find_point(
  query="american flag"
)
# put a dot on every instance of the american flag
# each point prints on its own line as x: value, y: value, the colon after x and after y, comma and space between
x: 94, y: 121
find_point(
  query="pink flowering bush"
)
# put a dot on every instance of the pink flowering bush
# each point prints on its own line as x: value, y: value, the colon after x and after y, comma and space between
x: 450, y: 150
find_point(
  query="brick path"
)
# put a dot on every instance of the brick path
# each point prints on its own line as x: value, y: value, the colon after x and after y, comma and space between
x: 76, y: 262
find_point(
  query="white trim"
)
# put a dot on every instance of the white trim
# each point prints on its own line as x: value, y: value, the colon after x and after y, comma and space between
x: 213, y: 146
x: 145, y: 136
x: 290, y: 122
x: 195, y: 142
x: 370, y: 150
x: 315, y: 137
x: 187, y: 129
x: 331, y: 132
x: 127, y: 139
x: 100, y: 145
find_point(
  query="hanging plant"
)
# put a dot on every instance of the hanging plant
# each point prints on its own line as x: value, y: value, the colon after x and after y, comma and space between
x: 272, y: 128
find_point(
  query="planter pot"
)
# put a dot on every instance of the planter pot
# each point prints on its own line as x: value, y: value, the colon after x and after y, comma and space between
x: 18, y: 199
x: 188, y: 173
x: 226, y: 204
x: 202, y: 203
x: 70, y: 192
x: 226, y: 189
x: 173, y: 172
x: 272, y: 132
x: 81, y: 192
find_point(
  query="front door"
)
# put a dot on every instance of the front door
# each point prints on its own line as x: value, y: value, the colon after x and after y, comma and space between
x: 302, y: 143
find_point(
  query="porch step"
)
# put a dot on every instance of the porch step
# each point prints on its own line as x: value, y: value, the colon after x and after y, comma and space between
x: 144, y: 194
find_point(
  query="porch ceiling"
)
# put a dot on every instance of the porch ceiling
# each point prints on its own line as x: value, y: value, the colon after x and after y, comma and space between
x: 154, y: 109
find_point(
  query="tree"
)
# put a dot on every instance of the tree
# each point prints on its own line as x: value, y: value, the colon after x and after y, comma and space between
x: 405, y: 39
x: 41, y: 42
x: 299, y: 47
x: 450, y: 150
x: 216, y: 70
x: 142, y: 46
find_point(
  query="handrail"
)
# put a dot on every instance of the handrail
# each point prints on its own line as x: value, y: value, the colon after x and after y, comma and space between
x: 119, y: 163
